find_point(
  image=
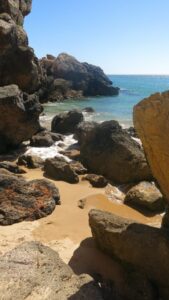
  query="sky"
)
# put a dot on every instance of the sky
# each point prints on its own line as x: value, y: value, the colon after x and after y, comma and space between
x: 120, y: 36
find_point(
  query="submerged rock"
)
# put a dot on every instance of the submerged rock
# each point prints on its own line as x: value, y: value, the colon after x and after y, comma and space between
x: 145, y: 195
x: 97, y: 181
x: 59, y: 169
x: 138, y: 247
x: 34, y: 271
x: 26, y: 201
x: 106, y: 149
x: 151, y: 122
x: 19, y: 116
x: 67, y: 122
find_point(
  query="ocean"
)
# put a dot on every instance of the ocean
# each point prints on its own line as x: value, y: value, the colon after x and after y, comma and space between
x: 133, y: 88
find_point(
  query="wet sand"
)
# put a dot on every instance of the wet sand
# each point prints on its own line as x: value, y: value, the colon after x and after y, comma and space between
x: 67, y: 231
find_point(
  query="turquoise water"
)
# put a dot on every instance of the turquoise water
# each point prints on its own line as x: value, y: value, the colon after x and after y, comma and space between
x: 133, y: 88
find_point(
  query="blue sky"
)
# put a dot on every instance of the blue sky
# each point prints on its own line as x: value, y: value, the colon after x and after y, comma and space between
x: 121, y: 36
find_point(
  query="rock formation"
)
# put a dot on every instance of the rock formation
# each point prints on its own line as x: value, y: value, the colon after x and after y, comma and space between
x: 67, y: 122
x: 18, y: 65
x: 151, y: 122
x: 140, y: 248
x: 34, y: 271
x: 108, y: 150
x: 19, y: 116
x: 25, y: 201
x: 68, y: 78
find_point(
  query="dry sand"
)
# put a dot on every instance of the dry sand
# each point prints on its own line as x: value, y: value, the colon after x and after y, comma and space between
x: 67, y: 231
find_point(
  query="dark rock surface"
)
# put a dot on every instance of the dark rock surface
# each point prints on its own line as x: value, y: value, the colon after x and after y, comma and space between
x: 34, y: 271
x: 14, y: 48
x: 59, y: 169
x: 138, y: 247
x: 88, y: 109
x: 67, y: 122
x: 145, y: 195
x: 78, y: 167
x: 106, y: 149
x: 11, y: 167
x: 96, y: 180
x: 30, y: 161
x: 26, y: 201
x: 45, y: 138
x: 68, y: 78
x: 19, y: 116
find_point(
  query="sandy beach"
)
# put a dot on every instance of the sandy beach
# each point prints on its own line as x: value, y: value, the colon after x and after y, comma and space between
x: 67, y: 231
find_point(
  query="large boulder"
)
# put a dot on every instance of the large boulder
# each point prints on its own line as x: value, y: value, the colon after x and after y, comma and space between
x: 67, y: 122
x: 59, y: 169
x: 26, y: 201
x: 27, y: 74
x: 67, y: 78
x: 138, y: 247
x: 147, y: 196
x: 34, y: 271
x: 151, y: 122
x: 106, y: 149
x: 19, y: 116
x: 45, y: 138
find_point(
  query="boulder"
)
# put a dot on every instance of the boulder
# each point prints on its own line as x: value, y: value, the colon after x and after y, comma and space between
x: 58, y: 168
x: 26, y: 201
x: 27, y: 74
x: 19, y: 116
x: 106, y: 149
x: 88, y: 109
x: 145, y: 195
x: 30, y: 161
x: 45, y: 138
x: 138, y: 247
x: 35, y: 271
x: 11, y: 167
x: 78, y: 167
x: 67, y: 78
x: 97, y: 181
x: 66, y: 122
x: 151, y: 122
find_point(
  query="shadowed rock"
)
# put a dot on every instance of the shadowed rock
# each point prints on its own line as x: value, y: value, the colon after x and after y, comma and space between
x: 67, y: 122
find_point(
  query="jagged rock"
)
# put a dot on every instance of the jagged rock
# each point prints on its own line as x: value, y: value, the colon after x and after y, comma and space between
x: 145, y: 195
x: 26, y: 201
x: 19, y: 116
x: 45, y: 138
x: 67, y: 122
x: 35, y: 271
x: 96, y: 180
x: 106, y: 149
x: 11, y: 167
x: 59, y: 169
x: 151, y: 122
x: 67, y: 78
x: 138, y: 247
x: 78, y: 167
x: 30, y: 161
x: 27, y: 74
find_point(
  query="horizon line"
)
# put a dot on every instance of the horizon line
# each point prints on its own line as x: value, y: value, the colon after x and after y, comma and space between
x: 137, y: 74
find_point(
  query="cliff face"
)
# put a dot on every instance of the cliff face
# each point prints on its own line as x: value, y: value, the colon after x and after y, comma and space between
x: 18, y: 64
x: 67, y: 77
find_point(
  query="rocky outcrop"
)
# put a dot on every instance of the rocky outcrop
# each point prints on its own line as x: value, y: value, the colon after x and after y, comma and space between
x: 26, y: 201
x: 97, y: 181
x: 145, y: 195
x: 59, y: 169
x: 138, y: 247
x: 34, y: 271
x: 108, y: 150
x: 19, y: 116
x: 151, y: 122
x: 67, y: 122
x: 67, y: 78
x: 14, y: 48
x: 30, y: 161
x: 45, y: 138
